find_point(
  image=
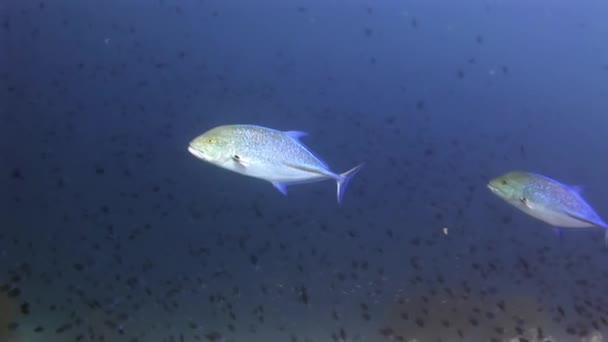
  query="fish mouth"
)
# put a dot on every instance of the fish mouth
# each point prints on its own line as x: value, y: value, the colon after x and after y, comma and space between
x: 492, y: 188
x: 196, y: 152
x: 495, y: 190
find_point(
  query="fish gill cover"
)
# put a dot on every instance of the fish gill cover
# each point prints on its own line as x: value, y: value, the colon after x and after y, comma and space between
x: 111, y: 230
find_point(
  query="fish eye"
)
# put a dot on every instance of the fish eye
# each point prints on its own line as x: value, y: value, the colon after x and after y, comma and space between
x: 211, y: 141
x: 504, y: 182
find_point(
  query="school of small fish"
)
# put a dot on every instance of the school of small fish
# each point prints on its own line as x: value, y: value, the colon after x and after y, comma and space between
x: 121, y: 224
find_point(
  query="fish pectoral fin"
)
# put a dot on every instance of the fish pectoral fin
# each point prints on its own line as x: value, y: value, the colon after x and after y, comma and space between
x: 317, y: 171
x: 239, y: 161
x: 281, y: 187
x: 526, y: 202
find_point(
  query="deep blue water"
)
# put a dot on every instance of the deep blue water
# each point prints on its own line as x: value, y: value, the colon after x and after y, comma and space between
x: 112, y: 231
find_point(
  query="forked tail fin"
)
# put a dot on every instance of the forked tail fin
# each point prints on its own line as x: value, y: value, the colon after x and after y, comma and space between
x: 345, y: 178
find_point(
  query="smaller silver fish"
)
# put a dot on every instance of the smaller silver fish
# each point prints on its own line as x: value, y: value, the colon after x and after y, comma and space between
x: 265, y: 153
x: 548, y: 200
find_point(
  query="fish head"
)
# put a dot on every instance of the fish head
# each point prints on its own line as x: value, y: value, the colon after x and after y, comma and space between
x: 510, y: 186
x: 214, y: 146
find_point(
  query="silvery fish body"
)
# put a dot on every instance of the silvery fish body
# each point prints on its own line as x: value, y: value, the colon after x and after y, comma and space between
x: 260, y: 152
x: 555, y: 203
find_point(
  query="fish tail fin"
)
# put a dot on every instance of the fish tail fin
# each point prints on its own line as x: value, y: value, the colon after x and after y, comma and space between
x: 344, y: 179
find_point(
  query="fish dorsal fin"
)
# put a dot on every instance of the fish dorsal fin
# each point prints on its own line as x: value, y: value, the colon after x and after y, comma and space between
x: 295, y: 134
x: 577, y: 188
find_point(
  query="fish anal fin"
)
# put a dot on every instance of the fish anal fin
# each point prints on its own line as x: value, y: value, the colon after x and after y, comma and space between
x: 281, y: 187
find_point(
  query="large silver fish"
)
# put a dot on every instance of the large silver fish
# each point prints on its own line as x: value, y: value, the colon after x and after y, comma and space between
x: 555, y: 203
x: 275, y: 156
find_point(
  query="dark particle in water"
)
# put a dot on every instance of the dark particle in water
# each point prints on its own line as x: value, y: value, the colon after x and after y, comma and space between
x: 14, y: 292
x: 420, y: 105
x: 303, y: 295
x: 25, y: 308
x: 16, y: 174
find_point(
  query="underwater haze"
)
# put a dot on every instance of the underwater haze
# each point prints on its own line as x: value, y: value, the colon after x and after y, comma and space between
x: 111, y: 230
